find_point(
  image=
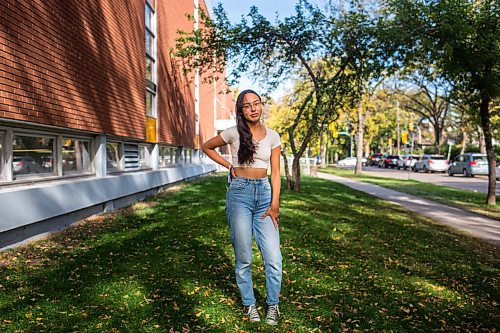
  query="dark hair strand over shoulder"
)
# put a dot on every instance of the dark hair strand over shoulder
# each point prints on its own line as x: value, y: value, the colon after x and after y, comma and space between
x: 247, y: 146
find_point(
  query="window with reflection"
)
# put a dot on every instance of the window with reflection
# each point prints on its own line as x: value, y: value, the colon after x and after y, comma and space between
x: 160, y: 157
x: 189, y: 156
x: 76, y: 157
x: 165, y: 157
x: 113, y: 156
x: 168, y: 156
x: 150, y: 24
x: 32, y: 155
x: 145, y: 156
x: 176, y: 156
x: 2, y: 152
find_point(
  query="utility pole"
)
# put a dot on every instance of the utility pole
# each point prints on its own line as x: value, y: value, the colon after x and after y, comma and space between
x: 397, y: 129
x: 359, y: 141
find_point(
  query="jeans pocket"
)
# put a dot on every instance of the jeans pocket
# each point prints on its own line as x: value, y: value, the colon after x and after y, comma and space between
x: 237, y: 184
x: 267, y: 186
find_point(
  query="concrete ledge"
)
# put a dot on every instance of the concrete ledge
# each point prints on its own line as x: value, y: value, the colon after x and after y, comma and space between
x: 60, y: 203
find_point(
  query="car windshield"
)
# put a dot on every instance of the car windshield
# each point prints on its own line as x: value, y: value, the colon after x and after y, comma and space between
x: 437, y: 157
x: 479, y: 158
x: 17, y: 159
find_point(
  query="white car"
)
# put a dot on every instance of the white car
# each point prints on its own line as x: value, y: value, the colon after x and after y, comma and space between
x: 407, y: 161
x: 350, y: 161
x: 431, y: 163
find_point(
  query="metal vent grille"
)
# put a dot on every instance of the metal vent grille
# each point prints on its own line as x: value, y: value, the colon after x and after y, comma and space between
x: 131, y: 156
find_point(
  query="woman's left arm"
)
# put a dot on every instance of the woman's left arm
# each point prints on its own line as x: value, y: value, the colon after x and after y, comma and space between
x: 274, y: 209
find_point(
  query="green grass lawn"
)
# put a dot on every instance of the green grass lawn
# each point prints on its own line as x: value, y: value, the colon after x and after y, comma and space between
x: 468, y: 200
x: 352, y: 263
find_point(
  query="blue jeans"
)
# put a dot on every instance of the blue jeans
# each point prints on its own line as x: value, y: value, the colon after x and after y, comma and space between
x: 246, y: 200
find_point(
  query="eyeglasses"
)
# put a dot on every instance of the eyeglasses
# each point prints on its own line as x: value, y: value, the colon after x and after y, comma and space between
x: 248, y: 106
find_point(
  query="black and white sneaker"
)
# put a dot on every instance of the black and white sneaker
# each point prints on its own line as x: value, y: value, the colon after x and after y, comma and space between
x: 252, y: 313
x: 273, y: 314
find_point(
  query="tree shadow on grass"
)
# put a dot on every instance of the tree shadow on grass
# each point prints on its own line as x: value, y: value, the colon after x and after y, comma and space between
x: 350, y: 263
x: 155, y: 257
x: 141, y: 273
x: 397, y: 270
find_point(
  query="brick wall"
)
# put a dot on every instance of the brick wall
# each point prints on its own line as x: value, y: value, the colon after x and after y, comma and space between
x: 81, y: 65
x: 175, y: 92
x: 74, y: 64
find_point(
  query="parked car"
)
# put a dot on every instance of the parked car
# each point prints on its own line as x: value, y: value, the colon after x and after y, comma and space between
x: 389, y: 161
x: 431, y: 163
x: 350, y: 161
x: 24, y: 165
x: 374, y: 159
x: 497, y: 170
x: 469, y: 165
x: 380, y: 162
x: 407, y: 161
x: 47, y: 162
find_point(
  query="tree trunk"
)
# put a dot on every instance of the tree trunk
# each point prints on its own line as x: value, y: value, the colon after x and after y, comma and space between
x: 327, y: 153
x: 367, y: 149
x: 465, y: 138
x: 437, y: 135
x: 322, y: 145
x: 289, y: 181
x: 482, y: 139
x: 485, y: 123
x: 296, y: 173
x: 359, y: 146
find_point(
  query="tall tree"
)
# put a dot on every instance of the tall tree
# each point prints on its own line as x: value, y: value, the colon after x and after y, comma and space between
x: 428, y: 95
x: 310, y: 45
x: 460, y: 37
x: 364, y: 39
x: 281, y: 116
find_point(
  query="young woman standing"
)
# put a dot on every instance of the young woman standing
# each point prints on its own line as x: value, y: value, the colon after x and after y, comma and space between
x: 252, y: 202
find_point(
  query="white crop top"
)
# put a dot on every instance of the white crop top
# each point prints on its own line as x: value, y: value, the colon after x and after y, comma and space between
x: 262, y: 147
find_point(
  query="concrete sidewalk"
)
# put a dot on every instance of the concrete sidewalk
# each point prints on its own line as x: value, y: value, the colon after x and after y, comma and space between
x: 476, y: 225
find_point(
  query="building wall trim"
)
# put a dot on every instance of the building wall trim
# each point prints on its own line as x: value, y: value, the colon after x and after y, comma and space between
x: 22, y: 206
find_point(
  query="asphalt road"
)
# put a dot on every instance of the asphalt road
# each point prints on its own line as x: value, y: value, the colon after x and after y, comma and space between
x: 476, y: 184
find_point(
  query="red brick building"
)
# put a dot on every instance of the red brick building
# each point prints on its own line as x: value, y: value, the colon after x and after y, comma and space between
x: 91, y: 96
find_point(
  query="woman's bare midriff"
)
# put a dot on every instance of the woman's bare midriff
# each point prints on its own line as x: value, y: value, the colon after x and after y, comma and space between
x: 251, y: 172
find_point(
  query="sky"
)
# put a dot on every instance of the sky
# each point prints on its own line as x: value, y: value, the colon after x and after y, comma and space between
x: 268, y: 8
x: 235, y: 9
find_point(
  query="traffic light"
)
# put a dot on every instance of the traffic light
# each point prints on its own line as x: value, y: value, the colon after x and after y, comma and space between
x: 404, y: 137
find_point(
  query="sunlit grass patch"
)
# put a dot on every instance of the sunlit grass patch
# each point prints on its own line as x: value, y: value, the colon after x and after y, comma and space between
x: 351, y: 263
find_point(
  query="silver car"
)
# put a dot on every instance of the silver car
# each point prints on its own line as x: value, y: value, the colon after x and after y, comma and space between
x: 24, y: 165
x: 431, y: 163
x: 469, y: 165
x: 407, y: 161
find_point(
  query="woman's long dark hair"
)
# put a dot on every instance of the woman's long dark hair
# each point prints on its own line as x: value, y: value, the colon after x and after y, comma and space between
x: 247, y: 146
